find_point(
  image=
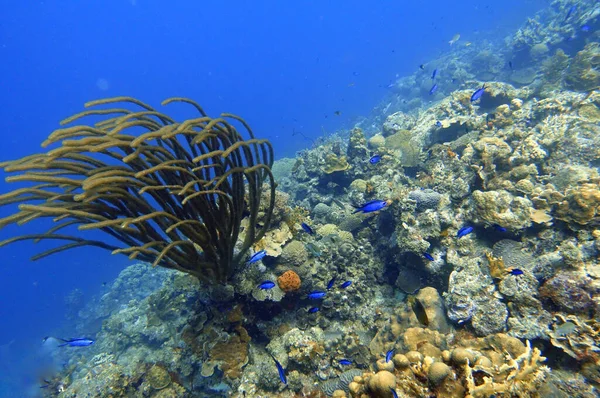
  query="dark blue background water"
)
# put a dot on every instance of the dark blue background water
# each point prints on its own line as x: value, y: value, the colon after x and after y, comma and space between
x: 282, y: 65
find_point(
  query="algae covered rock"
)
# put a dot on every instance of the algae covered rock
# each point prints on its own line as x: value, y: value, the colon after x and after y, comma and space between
x: 502, y: 208
x: 409, y: 150
x: 584, y: 73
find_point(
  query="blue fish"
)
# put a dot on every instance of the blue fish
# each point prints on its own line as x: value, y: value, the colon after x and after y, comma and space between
x: 307, y: 228
x: 331, y: 283
x: 586, y: 28
x: 345, y: 362
x: 433, y: 89
x: 266, y: 285
x: 394, y: 394
x: 346, y: 284
x: 438, y: 123
x: 428, y: 256
x: 257, y: 257
x: 316, y: 295
x: 81, y: 342
x: 280, y: 370
x: 434, y: 74
x: 464, y: 231
x: 375, y: 159
x: 389, y: 355
x: 499, y: 228
x: 478, y: 93
x: 515, y: 271
x: 571, y: 11
x: 369, y: 207
x: 312, y: 310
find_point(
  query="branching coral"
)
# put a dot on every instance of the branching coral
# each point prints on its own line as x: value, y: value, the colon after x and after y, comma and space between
x: 518, y: 377
x: 174, y: 195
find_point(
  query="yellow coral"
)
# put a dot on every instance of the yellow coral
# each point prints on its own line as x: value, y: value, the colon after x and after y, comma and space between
x: 334, y: 163
x: 519, y: 376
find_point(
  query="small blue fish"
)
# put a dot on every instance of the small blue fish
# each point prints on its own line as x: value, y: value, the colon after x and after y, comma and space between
x: 307, y: 228
x: 369, y: 207
x: 515, y: 271
x: 499, y: 228
x: 586, y: 28
x: 478, y: 93
x: 331, y: 283
x: 434, y: 74
x: 389, y: 355
x: 313, y: 310
x: 280, y: 370
x: 433, y: 89
x: 346, y: 284
x: 438, y: 123
x: 81, y: 342
x: 375, y: 159
x: 464, y: 231
x: 257, y: 257
x: 571, y: 11
x: 394, y: 394
x: 316, y: 295
x: 266, y: 285
x: 428, y: 256
x: 345, y: 362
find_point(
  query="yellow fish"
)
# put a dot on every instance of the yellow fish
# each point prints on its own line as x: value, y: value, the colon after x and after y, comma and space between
x: 454, y: 39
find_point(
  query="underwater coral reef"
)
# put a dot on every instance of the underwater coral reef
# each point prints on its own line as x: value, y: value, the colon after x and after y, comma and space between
x: 437, y: 249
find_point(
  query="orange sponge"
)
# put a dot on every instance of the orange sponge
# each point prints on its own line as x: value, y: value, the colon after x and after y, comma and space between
x: 289, y: 281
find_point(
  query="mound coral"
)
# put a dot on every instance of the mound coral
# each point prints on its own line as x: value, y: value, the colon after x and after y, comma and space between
x: 289, y: 281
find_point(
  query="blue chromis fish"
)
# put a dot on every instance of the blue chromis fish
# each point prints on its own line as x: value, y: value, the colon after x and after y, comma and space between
x: 433, y: 89
x: 346, y: 284
x: 571, y: 11
x: 515, y: 271
x: 464, y: 231
x: 331, y: 283
x: 434, y: 74
x: 375, y: 159
x: 345, y: 362
x: 316, y: 295
x: 394, y: 394
x: 257, y: 257
x: 266, y: 285
x: 369, y: 207
x: 389, y: 355
x: 428, y: 256
x: 307, y: 228
x: 81, y: 342
x: 313, y: 310
x: 438, y: 123
x: 478, y: 93
x: 280, y: 370
x: 499, y: 228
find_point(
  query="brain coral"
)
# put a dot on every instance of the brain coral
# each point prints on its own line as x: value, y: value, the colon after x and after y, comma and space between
x: 294, y: 253
x: 289, y: 281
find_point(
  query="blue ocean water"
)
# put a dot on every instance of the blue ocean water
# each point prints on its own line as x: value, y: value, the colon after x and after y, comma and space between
x: 312, y: 67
